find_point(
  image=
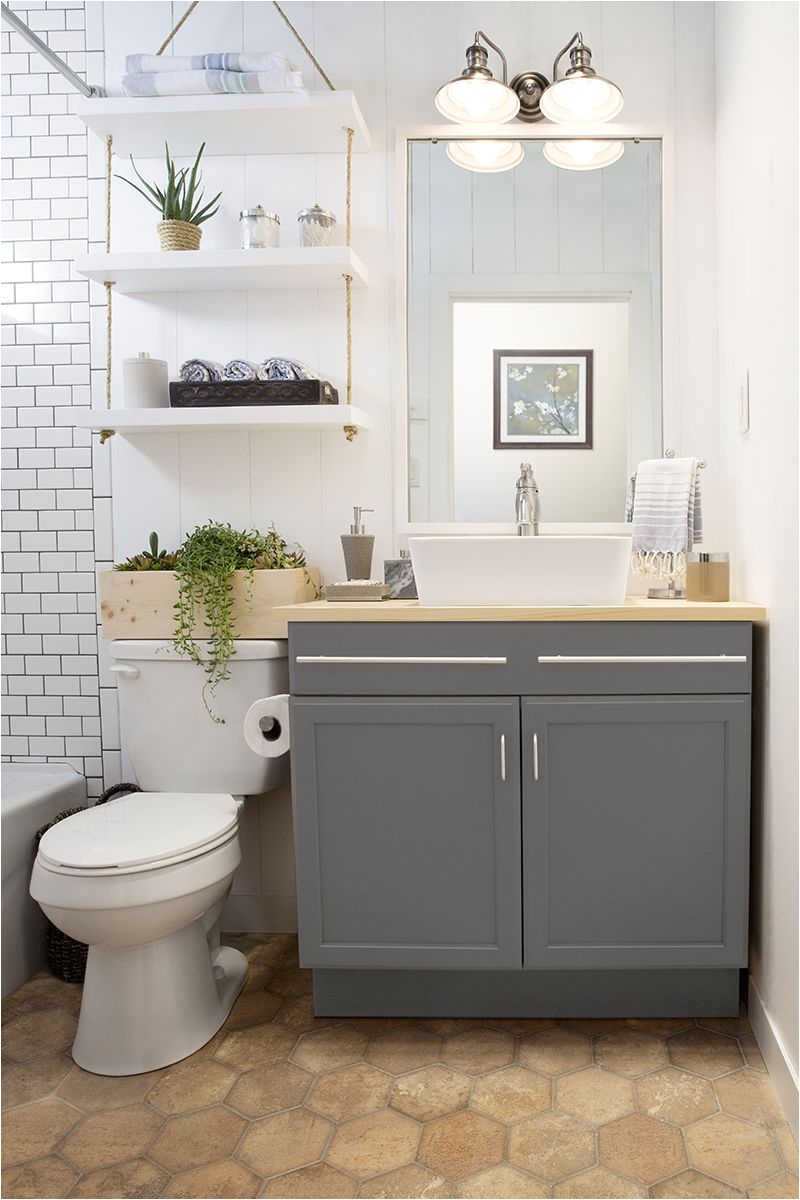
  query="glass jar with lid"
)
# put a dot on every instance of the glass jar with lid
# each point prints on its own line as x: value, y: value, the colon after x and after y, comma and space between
x: 708, y: 576
x: 259, y: 230
x: 317, y: 226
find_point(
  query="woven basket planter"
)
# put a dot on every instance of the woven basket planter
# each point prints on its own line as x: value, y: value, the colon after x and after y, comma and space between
x: 179, y: 235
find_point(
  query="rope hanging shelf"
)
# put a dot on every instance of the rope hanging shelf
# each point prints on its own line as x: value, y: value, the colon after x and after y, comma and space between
x: 349, y: 131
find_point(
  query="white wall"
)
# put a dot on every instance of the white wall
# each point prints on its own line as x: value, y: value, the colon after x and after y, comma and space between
x: 307, y: 482
x: 757, y: 258
x: 56, y: 510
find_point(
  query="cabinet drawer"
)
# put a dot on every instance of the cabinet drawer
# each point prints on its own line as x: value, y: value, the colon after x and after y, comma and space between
x: 496, y: 659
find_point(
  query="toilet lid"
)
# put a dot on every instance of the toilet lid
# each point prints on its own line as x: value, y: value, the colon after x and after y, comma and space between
x: 140, y: 829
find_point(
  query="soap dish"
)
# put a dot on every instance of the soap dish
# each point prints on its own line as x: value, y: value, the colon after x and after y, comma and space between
x: 356, y: 589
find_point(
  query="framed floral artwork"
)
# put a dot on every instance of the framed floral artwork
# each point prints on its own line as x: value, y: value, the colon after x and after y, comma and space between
x: 543, y: 399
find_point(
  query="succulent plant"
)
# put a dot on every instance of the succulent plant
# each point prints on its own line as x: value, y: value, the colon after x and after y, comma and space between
x: 150, y: 560
x: 182, y: 198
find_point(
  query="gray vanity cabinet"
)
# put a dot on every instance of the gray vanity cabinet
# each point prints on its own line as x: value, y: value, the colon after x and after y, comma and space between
x: 635, y: 831
x: 563, y: 808
x: 407, y: 831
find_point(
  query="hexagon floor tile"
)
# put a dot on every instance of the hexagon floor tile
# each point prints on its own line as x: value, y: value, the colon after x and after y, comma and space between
x: 281, y: 1103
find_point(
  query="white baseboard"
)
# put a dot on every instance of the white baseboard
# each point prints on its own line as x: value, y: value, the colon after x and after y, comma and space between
x: 776, y: 1056
x: 260, y: 914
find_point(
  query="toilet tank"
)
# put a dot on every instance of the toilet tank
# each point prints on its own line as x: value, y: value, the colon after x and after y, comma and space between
x: 172, y: 742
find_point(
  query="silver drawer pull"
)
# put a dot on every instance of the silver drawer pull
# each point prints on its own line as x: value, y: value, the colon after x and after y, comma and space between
x: 642, y: 658
x: 536, y: 757
x: 425, y: 660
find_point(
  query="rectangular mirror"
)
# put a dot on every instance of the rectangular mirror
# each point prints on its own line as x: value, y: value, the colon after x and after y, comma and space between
x: 533, y: 332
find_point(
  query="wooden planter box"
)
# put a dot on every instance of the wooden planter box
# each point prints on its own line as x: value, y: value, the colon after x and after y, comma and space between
x: 140, y: 604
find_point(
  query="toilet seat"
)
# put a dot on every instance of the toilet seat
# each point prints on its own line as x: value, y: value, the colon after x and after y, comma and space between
x: 141, y: 832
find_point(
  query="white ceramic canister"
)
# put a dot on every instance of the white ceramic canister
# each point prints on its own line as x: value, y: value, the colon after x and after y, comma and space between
x: 145, y: 382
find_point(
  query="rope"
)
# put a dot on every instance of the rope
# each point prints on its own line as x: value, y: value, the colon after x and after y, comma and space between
x: 185, y: 16
x: 350, y: 431
x: 349, y: 185
x: 105, y: 434
x: 303, y: 45
x: 348, y: 279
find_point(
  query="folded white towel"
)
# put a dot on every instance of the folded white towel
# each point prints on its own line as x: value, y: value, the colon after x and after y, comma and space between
x: 147, y: 64
x: 667, y: 516
x: 208, y: 83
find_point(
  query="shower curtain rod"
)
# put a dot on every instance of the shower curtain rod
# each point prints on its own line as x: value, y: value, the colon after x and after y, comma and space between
x: 22, y: 29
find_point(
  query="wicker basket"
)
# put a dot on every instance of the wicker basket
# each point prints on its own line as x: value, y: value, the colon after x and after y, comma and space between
x: 179, y: 235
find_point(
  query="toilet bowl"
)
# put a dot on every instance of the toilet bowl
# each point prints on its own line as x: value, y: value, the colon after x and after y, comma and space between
x: 143, y: 880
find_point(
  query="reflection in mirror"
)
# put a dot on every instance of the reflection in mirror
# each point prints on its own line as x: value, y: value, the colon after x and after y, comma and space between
x: 534, y: 332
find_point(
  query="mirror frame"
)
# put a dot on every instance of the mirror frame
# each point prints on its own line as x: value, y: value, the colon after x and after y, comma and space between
x: 669, y: 308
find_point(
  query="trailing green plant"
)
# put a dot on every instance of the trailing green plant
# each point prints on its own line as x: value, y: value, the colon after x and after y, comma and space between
x: 182, y: 197
x: 150, y: 560
x: 204, y: 568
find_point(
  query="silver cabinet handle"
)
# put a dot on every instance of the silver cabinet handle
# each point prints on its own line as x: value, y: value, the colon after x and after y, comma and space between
x: 503, y: 757
x: 427, y: 660
x: 641, y: 658
x: 536, y: 757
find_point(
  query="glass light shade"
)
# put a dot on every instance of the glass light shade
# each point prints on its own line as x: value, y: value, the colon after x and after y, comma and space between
x: 578, y: 154
x: 581, y: 98
x: 477, y: 100
x: 486, y: 155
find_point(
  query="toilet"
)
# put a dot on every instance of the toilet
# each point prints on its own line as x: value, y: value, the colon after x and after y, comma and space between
x: 143, y: 879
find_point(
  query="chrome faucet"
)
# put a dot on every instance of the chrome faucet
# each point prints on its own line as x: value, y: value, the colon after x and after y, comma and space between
x: 527, y: 505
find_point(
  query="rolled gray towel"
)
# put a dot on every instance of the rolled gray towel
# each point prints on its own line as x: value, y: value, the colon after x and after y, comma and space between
x: 241, y: 369
x: 285, y: 368
x: 201, y: 370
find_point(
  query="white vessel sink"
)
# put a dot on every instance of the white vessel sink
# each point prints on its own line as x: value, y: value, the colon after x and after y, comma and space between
x: 521, y: 570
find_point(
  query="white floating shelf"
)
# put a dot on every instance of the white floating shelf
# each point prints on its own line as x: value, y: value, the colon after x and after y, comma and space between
x: 224, y: 270
x: 284, y: 123
x: 129, y: 422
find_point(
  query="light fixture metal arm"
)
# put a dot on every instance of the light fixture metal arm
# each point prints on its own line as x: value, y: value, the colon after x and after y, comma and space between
x: 480, y: 34
x: 49, y: 55
x: 577, y: 38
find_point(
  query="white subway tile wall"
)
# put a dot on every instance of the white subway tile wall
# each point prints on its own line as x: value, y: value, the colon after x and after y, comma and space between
x: 52, y: 700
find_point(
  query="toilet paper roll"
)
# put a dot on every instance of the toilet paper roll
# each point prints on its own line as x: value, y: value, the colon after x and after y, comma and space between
x: 266, y: 726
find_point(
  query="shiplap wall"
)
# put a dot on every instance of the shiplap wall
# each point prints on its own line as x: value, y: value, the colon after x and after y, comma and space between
x: 536, y: 230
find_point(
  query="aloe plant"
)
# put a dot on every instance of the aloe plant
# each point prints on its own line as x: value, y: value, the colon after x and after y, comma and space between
x: 182, y: 198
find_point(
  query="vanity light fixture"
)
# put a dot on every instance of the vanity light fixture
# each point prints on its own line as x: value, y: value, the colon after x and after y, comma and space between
x: 579, y: 154
x: 476, y: 97
x: 582, y: 95
x: 486, y: 155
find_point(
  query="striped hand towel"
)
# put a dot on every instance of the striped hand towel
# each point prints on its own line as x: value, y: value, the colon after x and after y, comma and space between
x: 206, y: 83
x: 151, y: 64
x: 667, y: 515
x: 201, y: 370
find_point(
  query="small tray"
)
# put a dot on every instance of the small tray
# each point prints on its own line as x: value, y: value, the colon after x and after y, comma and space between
x: 352, y: 590
x: 237, y: 392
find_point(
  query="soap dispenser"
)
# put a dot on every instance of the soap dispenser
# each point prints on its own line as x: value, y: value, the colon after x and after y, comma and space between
x: 357, y: 547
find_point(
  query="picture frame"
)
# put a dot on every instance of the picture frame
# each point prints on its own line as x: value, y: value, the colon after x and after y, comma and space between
x: 543, y: 399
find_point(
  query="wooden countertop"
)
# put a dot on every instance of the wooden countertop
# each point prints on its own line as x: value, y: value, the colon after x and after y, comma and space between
x: 635, y: 608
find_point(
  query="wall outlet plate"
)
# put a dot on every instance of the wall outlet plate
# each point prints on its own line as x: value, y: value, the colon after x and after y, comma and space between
x: 743, y: 393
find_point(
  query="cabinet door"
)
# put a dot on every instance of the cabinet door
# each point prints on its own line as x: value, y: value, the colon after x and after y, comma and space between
x: 407, y: 831
x: 635, y: 831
